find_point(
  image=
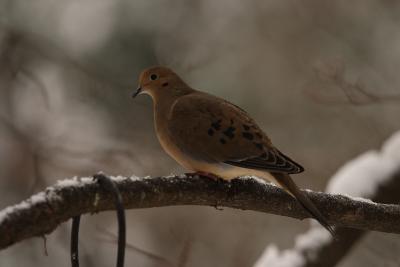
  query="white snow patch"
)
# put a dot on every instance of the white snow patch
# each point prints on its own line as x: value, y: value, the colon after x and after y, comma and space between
x: 309, y: 243
x: 68, y: 182
x: 362, y: 176
x: 273, y: 257
x: 171, y: 175
x: 87, y: 180
x: 142, y: 178
x: 75, y: 181
x: 39, y: 197
x: 26, y: 204
x: 50, y: 193
x: 313, y: 240
x: 119, y: 178
x: 137, y: 178
x: 391, y: 148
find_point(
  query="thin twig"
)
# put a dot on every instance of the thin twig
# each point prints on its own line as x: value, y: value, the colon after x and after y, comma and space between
x: 150, y: 255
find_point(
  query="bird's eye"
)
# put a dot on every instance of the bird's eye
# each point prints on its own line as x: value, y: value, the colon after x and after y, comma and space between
x: 153, y: 77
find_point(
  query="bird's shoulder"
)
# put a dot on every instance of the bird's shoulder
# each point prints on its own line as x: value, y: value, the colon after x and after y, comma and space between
x: 211, y: 107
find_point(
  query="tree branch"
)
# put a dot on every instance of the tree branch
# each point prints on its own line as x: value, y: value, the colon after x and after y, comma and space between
x: 374, y: 175
x: 43, y: 212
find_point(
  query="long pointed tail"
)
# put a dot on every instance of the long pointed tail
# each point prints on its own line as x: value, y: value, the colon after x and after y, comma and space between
x: 287, y: 183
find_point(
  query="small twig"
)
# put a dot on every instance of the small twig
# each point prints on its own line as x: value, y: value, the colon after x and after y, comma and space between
x: 184, y: 255
x: 42, y: 87
x: 151, y: 255
x: 46, y: 253
x: 148, y: 254
x: 354, y: 93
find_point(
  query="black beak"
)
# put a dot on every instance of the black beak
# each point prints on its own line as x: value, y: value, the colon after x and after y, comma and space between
x: 137, y: 92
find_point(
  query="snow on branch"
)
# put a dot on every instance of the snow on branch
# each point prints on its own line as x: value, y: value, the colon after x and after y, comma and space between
x: 373, y: 175
x: 43, y: 212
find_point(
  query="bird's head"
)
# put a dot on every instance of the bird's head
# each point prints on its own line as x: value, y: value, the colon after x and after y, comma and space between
x: 160, y: 81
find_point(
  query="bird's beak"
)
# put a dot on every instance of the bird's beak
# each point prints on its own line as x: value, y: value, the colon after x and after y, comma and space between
x: 137, y: 92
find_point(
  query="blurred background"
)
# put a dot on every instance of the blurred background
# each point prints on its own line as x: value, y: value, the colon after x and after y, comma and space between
x: 320, y: 77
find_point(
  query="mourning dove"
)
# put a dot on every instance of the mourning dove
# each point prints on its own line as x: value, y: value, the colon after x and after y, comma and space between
x: 212, y: 136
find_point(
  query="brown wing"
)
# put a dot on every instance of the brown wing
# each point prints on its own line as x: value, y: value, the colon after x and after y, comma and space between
x: 211, y: 129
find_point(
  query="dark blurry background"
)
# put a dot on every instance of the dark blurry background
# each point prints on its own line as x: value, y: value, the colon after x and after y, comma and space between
x: 320, y: 77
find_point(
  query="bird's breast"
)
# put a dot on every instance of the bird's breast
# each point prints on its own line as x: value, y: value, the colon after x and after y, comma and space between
x: 168, y: 144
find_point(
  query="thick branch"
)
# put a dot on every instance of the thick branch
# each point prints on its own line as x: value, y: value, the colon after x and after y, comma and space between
x: 43, y: 212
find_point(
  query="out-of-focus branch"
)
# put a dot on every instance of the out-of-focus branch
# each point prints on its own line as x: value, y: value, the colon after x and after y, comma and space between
x: 327, y: 252
x: 352, y: 93
x: 331, y: 253
x: 374, y: 175
x: 43, y: 212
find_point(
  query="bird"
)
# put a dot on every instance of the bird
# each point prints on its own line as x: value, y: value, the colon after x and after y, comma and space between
x: 213, y: 137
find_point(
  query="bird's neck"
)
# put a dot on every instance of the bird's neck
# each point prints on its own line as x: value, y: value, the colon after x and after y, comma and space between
x: 163, y: 100
x: 162, y: 109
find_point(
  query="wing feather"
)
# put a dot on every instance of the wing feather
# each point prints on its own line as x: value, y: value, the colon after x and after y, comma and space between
x: 212, y: 129
x: 276, y: 161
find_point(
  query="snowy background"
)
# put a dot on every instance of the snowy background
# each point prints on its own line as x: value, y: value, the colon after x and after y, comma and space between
x: 320, y: 77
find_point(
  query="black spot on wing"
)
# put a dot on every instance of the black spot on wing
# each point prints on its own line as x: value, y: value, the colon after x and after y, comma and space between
x: 216, y: 124
x: 259, y: 146
x: 222, y: 141
x: 229, y: 132
x: 210, y: 132
x: 247, y: 135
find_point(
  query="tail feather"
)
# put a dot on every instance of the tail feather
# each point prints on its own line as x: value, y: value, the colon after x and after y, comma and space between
x: 287, y: 183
